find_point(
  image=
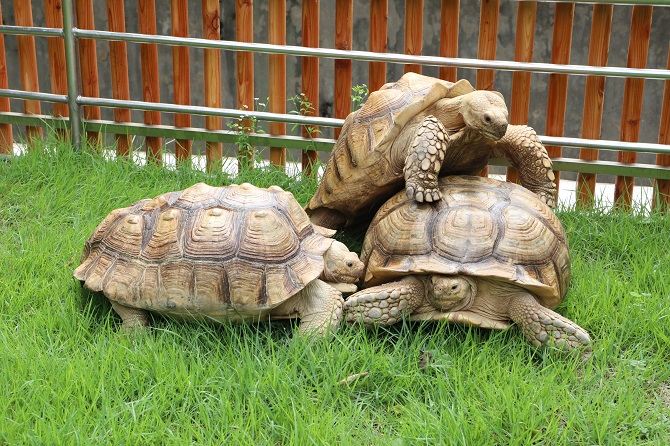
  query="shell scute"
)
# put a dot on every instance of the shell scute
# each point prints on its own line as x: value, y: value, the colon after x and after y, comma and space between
x: 211, y: 235
x: 126, y: 236
x: 163, y: 242
x: 197, y: 196
x: 465, y: 234
x: 121, y: 283
x: 101, y: 264
x: 269, y: 236
x: 526, y: 237
x: 177, y: 285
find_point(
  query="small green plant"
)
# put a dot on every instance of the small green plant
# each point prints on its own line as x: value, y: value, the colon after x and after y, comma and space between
x: 303, y: 106
x: 359, y: 93
x: 243, y: 127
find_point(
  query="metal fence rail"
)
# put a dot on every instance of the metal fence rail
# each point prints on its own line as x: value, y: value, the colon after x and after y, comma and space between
x: 78, y: 100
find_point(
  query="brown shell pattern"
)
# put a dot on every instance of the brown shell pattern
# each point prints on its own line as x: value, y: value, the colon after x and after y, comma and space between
x: 389, y: 108
x: 481, y: 227
x: 205, y: 249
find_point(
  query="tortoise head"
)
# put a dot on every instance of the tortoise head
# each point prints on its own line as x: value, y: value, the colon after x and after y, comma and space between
x: 451, y: 293
x: 340, y: 264
x: 485, y: 112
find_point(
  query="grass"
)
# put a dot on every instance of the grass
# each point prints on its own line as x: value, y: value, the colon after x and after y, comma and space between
x: 67, y: 376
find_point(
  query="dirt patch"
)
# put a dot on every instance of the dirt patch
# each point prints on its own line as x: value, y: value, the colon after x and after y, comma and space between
x: 664, y: 389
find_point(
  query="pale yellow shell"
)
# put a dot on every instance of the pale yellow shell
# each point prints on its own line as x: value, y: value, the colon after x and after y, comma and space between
x: 481, y: 227
x: 205, y: 248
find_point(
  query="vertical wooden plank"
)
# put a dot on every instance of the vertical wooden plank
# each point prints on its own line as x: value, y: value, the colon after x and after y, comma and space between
x: 344, y: 29
x: 244, y: 32
x: 6, y: 136
x: 88, y: 64
x: 56, y: 48
x: 23, y: 14
x: 449, y: 17
x: 379, y: 10
x: 523, y: 52
x: 662, y: 187
x: 277, y: 74
x: 118, y: 59
x: 310, y: 76
x: 150, y: 78
x: 211, y: 23
x: 558, y: 83
x: 413, y: 32
x: 488, y: 36
x: 181, y: 72
x: 594, y: 97
x: 638, y: 48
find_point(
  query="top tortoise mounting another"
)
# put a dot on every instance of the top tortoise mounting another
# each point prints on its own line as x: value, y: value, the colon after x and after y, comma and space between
x: 487, y: 253
x: 220, y: 253
x: 413, y: 130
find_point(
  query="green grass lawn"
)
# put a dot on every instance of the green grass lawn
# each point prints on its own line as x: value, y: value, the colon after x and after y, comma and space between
x: 68, y: 376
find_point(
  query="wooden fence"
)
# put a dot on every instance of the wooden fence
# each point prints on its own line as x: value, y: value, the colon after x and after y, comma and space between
x: 80, y: 98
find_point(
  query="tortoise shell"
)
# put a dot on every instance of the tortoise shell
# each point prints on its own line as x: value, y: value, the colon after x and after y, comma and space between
x: 481, y: 227
x: 388, y: 109
x: 205, y: 249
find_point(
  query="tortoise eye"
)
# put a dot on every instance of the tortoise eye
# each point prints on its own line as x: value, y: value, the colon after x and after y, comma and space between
x: 350, y: 264
x: 454, y: 287
x: 487, y: 119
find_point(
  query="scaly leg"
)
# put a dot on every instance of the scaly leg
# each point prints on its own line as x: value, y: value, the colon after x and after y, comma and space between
x: 424, y: 160
x: 523, y: 149
x: 386, y: 304
x: 133, y: 318
x: 542, y: 326
x: 319, y: 307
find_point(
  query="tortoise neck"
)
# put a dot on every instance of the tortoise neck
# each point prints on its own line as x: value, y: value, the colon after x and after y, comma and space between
x: 447, y: 111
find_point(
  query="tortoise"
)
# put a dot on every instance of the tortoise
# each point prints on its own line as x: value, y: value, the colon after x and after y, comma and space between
x: 219, y: 253
x: 487, y: 253
x: 414, y: 130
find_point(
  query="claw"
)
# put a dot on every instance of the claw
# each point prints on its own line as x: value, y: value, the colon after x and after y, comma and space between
x: 410, y: 192
x: 419, y: 197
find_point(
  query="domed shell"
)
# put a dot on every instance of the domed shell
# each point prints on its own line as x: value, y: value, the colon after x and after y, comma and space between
x: 388, y: 109
x: 481, y: 227
x: 205, y: 248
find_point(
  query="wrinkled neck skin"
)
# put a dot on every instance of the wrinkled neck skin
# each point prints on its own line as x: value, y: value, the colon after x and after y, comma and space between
x: 494, y: 297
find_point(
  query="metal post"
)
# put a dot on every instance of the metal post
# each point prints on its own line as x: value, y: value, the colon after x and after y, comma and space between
x: 73, y: 90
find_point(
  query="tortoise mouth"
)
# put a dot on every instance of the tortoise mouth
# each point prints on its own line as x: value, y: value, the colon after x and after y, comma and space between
x: 495, y: 133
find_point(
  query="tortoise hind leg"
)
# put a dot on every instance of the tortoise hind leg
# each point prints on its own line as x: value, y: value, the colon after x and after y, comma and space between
x: 133, y: 318
x: 424, y: 160
x: 543, y: 327
x: 385, y: 304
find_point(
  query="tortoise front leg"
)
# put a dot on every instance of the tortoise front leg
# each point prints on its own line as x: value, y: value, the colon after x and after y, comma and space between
x: 385, y: 304
x: 523, y: 149
x: 424, y: 159
x: 543, y: 327
x: 319, y: 307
